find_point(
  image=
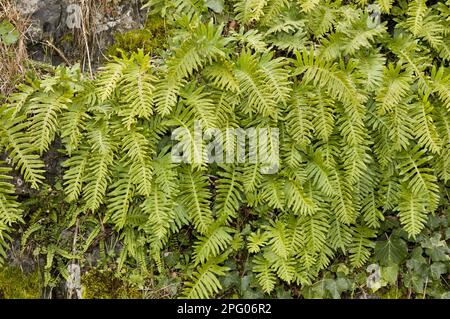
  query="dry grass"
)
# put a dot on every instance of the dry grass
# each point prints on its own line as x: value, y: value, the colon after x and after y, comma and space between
x: 13, y: 57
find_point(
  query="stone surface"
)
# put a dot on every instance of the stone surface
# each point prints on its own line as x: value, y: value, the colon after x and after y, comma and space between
x: 59, y: 20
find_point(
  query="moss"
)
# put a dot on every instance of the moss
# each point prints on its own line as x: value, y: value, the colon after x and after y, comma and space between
x: 103, y: 284
x: 152, y: 38
x: 15, y: 284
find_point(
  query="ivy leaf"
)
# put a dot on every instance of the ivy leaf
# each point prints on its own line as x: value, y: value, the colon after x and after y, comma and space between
x: 8, y: 34
x: 391, y: 251
x: 436, y: 248
x: 390, y: 274
x: 336, y: 287
x: 438, y: 269
x: 417, y: 264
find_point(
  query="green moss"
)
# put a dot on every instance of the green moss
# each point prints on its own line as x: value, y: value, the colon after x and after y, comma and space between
x: 103, y: 284
x: 151, y: 39
x: 15, y: 284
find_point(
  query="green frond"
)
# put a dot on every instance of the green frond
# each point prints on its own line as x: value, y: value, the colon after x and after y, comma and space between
x: 120, y: 198
x: 272, y: 191
x: 308, y: 5
x: 299, y: 117
x: 340, y: 235
x: 137, y: 87
x: 256, y: 241
x: 212, y: 244
x: 221, y: 75
x: 228, y: 193
x: 300, y: 199
x: 251, y: 177
x: 395, y: 86
x: 204, y: 46
x: 194, y: 195
x: 264, y: 274
x: 139, y: 152
x: 45, y: 123
x: 166, y: 93
x: 342, y: 204
x: 75, y: 172
x: 361, y: 246
x: 319, y: 173
x: 204, y: 282
x: 97, y: 176
x: 158, y: 207
x: 109, y: 77
x: 248, y: 11
x: 250, y: 39
x: 20, y: 147
x: 412, y: 211
x: 425, y: 130
x: 385, y: 5
x: 315, y: 229
x: 73, y: 124
x: 278, y: 239
x: 400, y: 127
x: 201, y: 105
x: 419, y: 176
x: 370, y: 211
x: 441, y: 83
x: 416, y: 14
x: 19, y: 99
x: 284, y: 268
x: 10, y: 210
x: 328, y: 76
x: 254, y: 87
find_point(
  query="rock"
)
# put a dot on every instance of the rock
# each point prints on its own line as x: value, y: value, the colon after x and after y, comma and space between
x: 60, y: 20
x: 28, y: 7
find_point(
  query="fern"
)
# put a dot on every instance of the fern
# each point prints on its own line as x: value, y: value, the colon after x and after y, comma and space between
x: 358, y: 122
x: 20, y: 147
x: 206, y: 282
x: 194, y: 195
x: 10, y: 211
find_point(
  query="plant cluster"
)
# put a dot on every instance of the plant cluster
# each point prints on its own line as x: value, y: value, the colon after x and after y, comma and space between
x: 362, y: 107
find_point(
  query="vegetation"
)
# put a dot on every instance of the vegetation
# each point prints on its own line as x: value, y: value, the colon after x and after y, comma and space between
x: 361, y: 100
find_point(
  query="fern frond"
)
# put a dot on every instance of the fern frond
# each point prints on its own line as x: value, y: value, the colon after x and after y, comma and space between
x: 204, y: 282
x: 360, y: 248
x: 158, y: 207
x: 20, y: 147
x: 120, y: 198
x: 412, y: 210
x: 328, y: 76
x: 254, y: 86
x: 248, y: 11
x: 137, y: 87
x: 419, y: 177
x: 441, y: 83
x: 265, y: 275
x: 109, y: 77
x: 416, y: 14
x: 395, y: 86
x: 228, y: 193
x: 74, y: 176
x: 194, y: 195
x: 10, y: 210
x: 256, y: 241
x: 425, y: 131
x: 213, y: 244
x: 44, y: 121
x: 139, y: 153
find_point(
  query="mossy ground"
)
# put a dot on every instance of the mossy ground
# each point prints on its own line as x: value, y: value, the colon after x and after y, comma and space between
x: 15, y: 284
x: 151, y: 39
x: 103, y: 284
